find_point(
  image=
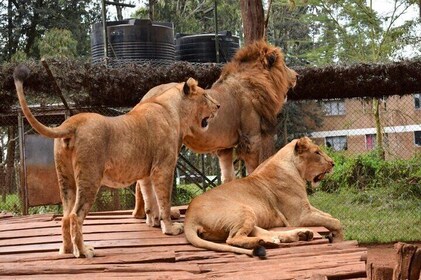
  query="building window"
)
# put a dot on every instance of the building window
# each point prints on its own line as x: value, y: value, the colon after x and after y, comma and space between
x: 417, y: 100
x: 417, y: 137
x: 337, y: 143
x: 370, y: 141
x: 334, y: 107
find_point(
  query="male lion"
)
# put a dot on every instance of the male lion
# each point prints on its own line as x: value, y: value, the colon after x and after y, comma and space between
x: 274, y: 195
x: 91, y: 150
x: 252, y: 89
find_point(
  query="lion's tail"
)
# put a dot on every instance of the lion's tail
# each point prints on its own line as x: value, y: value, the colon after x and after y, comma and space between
x: 20, y: 74
x: 191, y: 230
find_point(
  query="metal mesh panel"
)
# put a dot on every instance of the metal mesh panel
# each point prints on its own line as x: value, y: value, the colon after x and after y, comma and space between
x: 376, y: 199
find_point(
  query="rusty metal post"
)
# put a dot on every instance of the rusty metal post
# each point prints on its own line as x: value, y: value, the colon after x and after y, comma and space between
x: 22, y: 169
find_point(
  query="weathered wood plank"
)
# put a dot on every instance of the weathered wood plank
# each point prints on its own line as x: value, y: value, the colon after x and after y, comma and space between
x: 99, y: 252
x: 404, y: 253
x: 31, y: 269
x: 415, y: 270
x: 179, y: 275
x: 127, y: 248
x: 157, y: 241
x: 95, y: 228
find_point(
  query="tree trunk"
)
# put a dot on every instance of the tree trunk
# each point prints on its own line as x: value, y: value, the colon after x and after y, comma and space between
x: 9, y: 50
x: 31, y: 32
x: 253, y: 20
x: 419, y: 4
x: 151, y: 9
x: 379, y: 134
x: 119, y: 10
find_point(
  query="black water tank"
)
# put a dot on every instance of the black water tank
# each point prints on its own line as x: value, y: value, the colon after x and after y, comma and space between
x: 134, y: 40
x: 201, y: 47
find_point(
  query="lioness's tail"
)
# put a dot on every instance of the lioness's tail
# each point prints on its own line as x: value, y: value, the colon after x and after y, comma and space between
x: 20, y: 74
x: 191, y: 229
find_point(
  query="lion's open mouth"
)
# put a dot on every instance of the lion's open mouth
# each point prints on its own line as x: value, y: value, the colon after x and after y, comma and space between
x: 319, y: 177
x: 205, y: 122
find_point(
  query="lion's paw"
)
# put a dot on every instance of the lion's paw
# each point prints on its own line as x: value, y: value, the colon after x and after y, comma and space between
x: 305, y: 235
x: 270, y: 242
x: 172, y: 229
x: 175, y: 214
x: 139, y: 213
x: 65, y: 250
x: 152, y: 220
x: 87, y: 251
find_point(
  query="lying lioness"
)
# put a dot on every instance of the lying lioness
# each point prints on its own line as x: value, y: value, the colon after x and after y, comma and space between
x: 274, y: 195
x: 91, y: 150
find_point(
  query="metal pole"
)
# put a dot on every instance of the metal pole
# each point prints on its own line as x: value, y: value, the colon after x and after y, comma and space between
x: 216, y: 30
x: 22, y: 177
x: 104, y: 29
x: 203, y: 173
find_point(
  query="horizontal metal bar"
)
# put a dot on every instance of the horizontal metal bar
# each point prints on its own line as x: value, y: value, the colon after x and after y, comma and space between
x: 120, y: 4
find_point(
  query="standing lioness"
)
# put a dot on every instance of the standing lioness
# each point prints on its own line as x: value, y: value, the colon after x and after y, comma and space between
x: 274, y: 195
x: 91, y: 150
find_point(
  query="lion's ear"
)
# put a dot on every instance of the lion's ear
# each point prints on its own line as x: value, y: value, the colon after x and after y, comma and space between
x: 271, y: 59
x: 301, y: 145
x: 190, y: 86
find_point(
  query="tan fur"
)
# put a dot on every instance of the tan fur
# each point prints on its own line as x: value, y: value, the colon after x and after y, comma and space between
x: 274, y: 195
x: 252, y: 89
x: 92, y: 150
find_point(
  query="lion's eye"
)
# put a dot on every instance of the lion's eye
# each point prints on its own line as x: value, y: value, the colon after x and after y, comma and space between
x: 318, y: 153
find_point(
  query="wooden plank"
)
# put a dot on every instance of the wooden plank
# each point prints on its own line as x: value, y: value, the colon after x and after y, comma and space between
x: 56, y: 230
x: 296, y: 268
x: 174, y: 240
x: 404, y: 253
x: 379, y: 272
x: 179, y: 275
x: 57, y: 223
x: 99, y: 252
x: 127, y: 248
x: 415, y: 270
x: 31, y: 269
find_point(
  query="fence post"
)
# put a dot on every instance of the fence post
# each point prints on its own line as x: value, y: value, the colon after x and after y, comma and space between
x: 22, y: 175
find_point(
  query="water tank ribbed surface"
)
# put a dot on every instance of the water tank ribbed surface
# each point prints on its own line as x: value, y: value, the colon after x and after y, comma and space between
x: 134, y: 40
x: 201, y: 47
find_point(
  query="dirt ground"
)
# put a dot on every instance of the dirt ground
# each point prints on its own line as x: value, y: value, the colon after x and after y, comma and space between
x: 384, y: 254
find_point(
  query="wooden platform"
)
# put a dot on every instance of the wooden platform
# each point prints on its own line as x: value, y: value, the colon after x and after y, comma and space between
x: 126, y: 248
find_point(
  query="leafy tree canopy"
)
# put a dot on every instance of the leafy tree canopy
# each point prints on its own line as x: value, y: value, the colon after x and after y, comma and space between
x: 22, y: 24
x: 195, y: 16
x: 350, y: 31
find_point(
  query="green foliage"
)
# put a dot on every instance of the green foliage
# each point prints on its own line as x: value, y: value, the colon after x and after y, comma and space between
x: 10, y: 204
x: 23, y: 23
x: 365, y: 172
x: 192, y: 17
x: 351, y: 31
x: 185, y: 193
x: 58, y: 43
x: 287, y: 30
x: 18, y: 57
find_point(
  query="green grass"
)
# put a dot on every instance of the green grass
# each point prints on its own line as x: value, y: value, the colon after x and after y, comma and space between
x: 371, y: 216
x: 376, y: 215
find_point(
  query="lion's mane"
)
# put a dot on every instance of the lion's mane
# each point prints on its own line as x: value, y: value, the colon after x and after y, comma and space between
x: 262, y: 67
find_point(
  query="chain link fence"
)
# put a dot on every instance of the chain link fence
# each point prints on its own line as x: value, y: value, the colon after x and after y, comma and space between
x: 375, y: 189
